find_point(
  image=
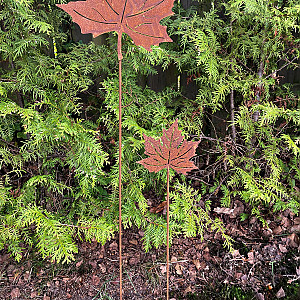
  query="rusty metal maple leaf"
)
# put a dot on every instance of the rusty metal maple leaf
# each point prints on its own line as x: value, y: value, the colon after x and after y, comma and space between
x: 170, y: 151
x: 138, y: 18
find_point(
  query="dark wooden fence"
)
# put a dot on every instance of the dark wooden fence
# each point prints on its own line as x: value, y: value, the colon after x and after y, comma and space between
x: 168, y: 77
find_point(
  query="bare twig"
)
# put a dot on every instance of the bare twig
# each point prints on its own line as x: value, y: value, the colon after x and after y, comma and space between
x: 276, y: 71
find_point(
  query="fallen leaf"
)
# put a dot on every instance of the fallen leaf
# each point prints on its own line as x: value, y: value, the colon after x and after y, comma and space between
x: 139, y: 19
x: 170, y: 151
x: 223, y: 210
x: 193, y: 273
x: 254, y: 281
x: 93, y: 245
x: 238, y: 275
x: 113, y: 246
x: 295, y: 228
x: 187, y: 290
x: 282, y: 248
x: 253, y: 220
x: 297, y: 221
x: 173, y: 259
x: 95, y: 280
x: 235, y: 253
x: 133, y: 242
x: 178, y: 269
x: 163, y: 269
x: 158, y: 208
x: 251, y: 257
x: 3, y: 257
x: 260, y: 296
x: 217, y: 259
x: 15, y: 293
x: 267, y: 233
x: 277, y: 230
x: 280, y: 293
x: 286, y: 222
x: 244, y: 279
x: 197, y: 263
x: 102, y: 268
x: 238, y: 208
x: 26, y: 275
x: 134, y: 260
x: 207, y: 256
x: 293, y: 240
x: 93, y: 263
x: 79, y: 263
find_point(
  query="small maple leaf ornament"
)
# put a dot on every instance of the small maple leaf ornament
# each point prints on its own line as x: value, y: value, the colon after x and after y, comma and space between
x: 169, y: 151
x: 138, y: 18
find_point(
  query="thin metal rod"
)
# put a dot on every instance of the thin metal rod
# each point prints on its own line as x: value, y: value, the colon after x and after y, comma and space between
x: 120, y: 57
x: 168, y: 231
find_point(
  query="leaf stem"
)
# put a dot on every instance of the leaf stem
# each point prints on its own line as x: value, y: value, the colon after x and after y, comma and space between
x: 120, y: 57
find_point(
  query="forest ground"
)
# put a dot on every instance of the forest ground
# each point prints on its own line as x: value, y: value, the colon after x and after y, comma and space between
x: 265, y: 265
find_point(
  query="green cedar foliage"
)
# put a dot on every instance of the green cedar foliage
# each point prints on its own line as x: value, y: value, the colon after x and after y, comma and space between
x: 52, y: 163
x: 240, y: 47
x: 58, y: 156
x: 59, y: 124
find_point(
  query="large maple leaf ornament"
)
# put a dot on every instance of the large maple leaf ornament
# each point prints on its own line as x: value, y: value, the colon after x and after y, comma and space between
x: 138, y: 18
x: 169, y: 151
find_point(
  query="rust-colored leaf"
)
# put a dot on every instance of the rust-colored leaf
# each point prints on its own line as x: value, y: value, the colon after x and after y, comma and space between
x: 169, y: 151
x: 138, y: 18
x: 158, y: 208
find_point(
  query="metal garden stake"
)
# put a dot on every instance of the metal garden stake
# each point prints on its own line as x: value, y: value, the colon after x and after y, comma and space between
x: 140, y: 20
x: 170, y: 151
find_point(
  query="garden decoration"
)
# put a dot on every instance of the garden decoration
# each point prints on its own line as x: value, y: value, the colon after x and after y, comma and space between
x: 170, y: 151
x: 140, y: 20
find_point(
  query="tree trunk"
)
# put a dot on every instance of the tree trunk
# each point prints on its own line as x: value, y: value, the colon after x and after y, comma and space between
x: 258, y: 91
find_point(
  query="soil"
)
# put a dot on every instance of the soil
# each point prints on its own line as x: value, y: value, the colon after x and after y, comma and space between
x: 265, y: 265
